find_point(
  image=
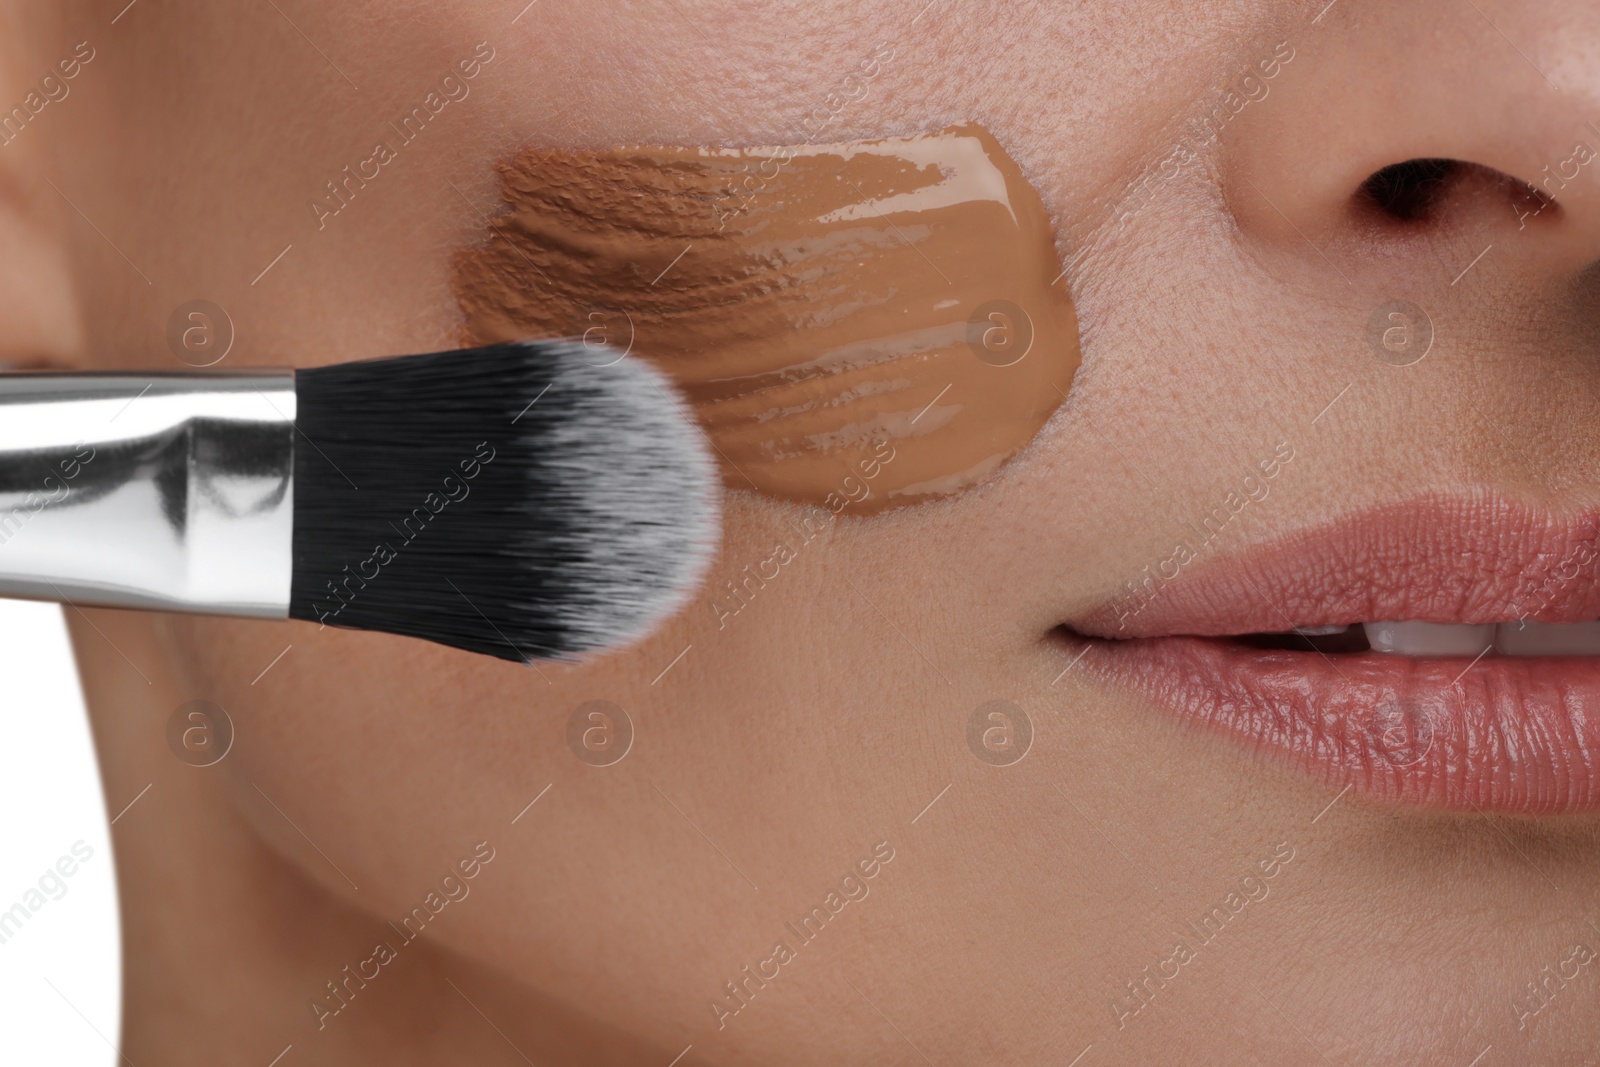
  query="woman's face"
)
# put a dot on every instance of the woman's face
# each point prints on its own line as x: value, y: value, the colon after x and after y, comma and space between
x: 1287, y: 862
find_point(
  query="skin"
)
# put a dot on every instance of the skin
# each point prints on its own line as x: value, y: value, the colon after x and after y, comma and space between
x: 1219, y: 318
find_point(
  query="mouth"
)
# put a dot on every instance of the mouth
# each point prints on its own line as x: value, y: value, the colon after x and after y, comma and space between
x: 1442, y: 653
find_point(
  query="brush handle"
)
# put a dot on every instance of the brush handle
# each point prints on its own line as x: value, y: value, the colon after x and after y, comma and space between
x: 168, y: 491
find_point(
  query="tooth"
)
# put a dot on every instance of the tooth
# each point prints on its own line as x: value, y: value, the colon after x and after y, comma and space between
x: 1320, y: 631
x: 1429, y: 638
x: 1548, y: 638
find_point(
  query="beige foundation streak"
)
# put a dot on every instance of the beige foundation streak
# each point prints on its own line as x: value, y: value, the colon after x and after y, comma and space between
x: 861, y: 325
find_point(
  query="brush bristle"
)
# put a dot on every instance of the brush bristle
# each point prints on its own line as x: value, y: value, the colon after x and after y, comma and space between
x: 526, y: 501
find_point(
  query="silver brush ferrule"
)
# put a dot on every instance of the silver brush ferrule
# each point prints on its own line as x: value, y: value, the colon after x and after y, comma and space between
x: 169, y: 491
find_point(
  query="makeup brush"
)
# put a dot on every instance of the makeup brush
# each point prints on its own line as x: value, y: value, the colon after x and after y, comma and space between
x: 532, y: 500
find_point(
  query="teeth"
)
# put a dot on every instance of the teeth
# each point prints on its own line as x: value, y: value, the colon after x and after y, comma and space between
x: 1548, y: 639
x: 1467, y: 639
x: 1429, y: 638
x: 1320, y: 631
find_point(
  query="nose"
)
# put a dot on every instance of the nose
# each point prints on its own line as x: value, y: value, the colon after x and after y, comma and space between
x: 1427, y: 140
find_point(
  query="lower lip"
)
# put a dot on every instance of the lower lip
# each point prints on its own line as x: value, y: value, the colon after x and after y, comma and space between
x: 1505, y: 734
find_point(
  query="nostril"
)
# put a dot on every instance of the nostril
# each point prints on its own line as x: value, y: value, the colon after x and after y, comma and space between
x: 1410, y: 191
x: 1432, y: 190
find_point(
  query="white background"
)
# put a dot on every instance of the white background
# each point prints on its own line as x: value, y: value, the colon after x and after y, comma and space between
x: 59, y: 974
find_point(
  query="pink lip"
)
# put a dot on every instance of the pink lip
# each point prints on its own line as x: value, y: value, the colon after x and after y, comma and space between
x: 1503, y: 734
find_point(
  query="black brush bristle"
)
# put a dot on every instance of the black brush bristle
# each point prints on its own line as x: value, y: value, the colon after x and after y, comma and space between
x: 531, y: 500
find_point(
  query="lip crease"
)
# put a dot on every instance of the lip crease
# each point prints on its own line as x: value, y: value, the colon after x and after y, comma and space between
x: 1516, y: 735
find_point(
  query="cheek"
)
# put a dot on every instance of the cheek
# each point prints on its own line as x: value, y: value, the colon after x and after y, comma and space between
x: 396, y: 757
x: 969, y: 359
x: 353, y: 735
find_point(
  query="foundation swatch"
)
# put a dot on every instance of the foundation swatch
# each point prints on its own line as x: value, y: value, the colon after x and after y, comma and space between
x: 859, y: 326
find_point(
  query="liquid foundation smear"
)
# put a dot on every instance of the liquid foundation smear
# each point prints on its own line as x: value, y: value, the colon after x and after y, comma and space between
x: 861, y: 326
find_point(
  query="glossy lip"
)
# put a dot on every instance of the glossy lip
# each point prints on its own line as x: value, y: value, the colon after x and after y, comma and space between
x: 1503, y: 734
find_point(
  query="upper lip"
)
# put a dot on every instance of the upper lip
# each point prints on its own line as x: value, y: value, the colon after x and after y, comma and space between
x: 1472, y: 559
